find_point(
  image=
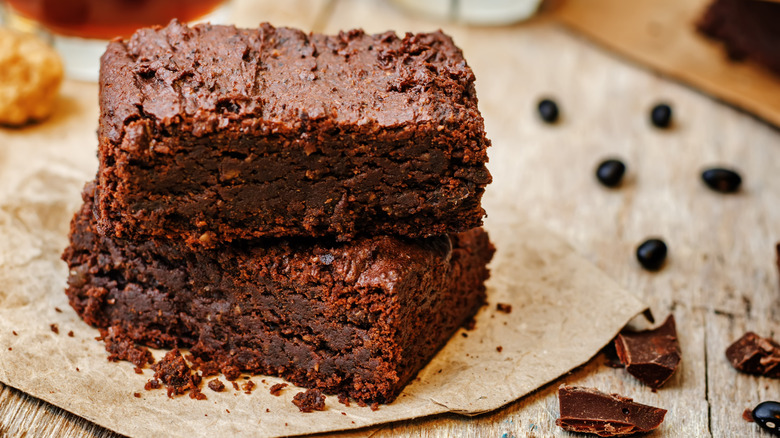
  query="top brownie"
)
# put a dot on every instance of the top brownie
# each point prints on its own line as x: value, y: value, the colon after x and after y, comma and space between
x: 213, y: 133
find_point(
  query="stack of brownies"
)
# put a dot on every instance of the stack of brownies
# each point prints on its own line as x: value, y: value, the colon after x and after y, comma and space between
x: 305, y: 206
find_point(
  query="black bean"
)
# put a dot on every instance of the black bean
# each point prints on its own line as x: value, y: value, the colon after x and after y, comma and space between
x: 661, y: 115
x: 722, y: 180
x: 610, y: 172
x: 548, y: 110
x: 767, y: 415
x: 651, y: 254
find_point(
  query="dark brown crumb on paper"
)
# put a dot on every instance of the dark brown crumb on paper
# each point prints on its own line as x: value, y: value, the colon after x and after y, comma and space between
x: 470, y: 324
x: 14, y: 332
x: 747, y: 415
x: 499, y: 348
x: 177, y: 376
x: 58, y: 310
x: 10, y: 349
x: 54, y: 328
x: 70, y: 333
x: 344, y: 399
x: 216, y: 385
x: 309, y: 401
x: 120, y: 346
x: 504, y: 307
x: 248, y: 387
x: 152, y: 384
x: 277, y: 389
x: 465, y: 335
x: 375, y: 406
x: 78, y: 370
x: 138, y: 370
x: 235, y: 386
x: 137, y: 394
x: 753, y: 354
x: 231, y: 372
x: 197, y: 394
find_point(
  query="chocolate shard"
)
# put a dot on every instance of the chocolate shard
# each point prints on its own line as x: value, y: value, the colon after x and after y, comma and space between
x: 588, y: 410
x: 652, y: 356
x: 753, y: 354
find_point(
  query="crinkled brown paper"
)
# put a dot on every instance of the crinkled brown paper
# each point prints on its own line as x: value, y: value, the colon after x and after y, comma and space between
x: 563, y: 311
x: 662, y: 35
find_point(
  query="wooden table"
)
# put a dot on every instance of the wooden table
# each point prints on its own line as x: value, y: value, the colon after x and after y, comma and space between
x: 720, y: 279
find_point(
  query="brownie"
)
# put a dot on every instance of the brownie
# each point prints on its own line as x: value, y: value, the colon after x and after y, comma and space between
x: 747, y: 28
x: 213, y: 133
x: 357, y: 318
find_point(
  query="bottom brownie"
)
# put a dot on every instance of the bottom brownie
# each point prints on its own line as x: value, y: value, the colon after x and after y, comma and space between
x: 357, y: 318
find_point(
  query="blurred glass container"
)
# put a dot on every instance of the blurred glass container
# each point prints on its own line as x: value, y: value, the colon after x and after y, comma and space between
x: 478, y: 12
x: 80, y: 29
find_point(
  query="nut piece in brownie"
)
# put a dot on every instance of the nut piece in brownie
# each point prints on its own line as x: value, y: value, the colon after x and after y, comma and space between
x: 747, y: 28
x: 213, y: 133
x: 357, y: 318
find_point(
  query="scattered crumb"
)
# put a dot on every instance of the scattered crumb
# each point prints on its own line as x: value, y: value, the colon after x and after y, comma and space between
x: 747, y: 415
x: 267, y: 410
x: 470, y: 324
x: 499, y: 348
x: 248, y: 387
x: 465, y: 335
x: 344, y: 399
x: 235, y: 386
x: 504, y: 307
x: 70, y: 333
x: 78, y: 370
x: 216, y: 385
x: 58, y: 310
x: 375, y: 406
x: 14, y: 332
x: 10, y: 349
x: 263, y: 380
x: 231, y: 372
x: 54, y: 328
x: 277, y: 389
x: 122, y: 347
x: 343, y: 413
x: 137, y: 394
x: 177, y: 376
x: 309, y: 401
x: 227, y: 410
x: 152, y: 384
x: 138, y: 370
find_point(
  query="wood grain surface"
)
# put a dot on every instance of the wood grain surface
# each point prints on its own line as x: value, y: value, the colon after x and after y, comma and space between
x: 719, y: 280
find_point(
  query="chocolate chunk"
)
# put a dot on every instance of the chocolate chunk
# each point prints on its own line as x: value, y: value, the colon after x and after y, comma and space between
x: 753, y: 354
x: 309, y: 401
x: 588, y: 410
x: 652, y: 356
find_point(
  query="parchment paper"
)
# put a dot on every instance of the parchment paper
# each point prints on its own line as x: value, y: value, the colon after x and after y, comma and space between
x: 564, y: 311
x: 661, y: 34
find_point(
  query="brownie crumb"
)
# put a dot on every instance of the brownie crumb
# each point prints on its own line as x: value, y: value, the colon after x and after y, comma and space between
x: 174, y: 372
x: 227, y: 410
x: 122, y: 347
x: 14, y: 332
x: 206, y: 368
x: 499, y: 348
x: 248, y: 387
x: 152, y: 384
x: 465, y: 335
x: 196, y: 394
x: 309, y: 401
x: 137, y: 394
x: 361, y: 403
x: 375, y: 406
x: 470, y: 324
x: 10, y: 349
x: 277, y: 389
x: 235, y: 386
x: 58, y: 310
x: 216, y: 385
x: 78, y: 370
x: 267, y: 410
x: 138, y: 370
x: 231, y: 372
x: 70, y: 333
x: 504, y: 307
x: 344, y: 399
x: 747, y: 415
x: 54, y: 328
